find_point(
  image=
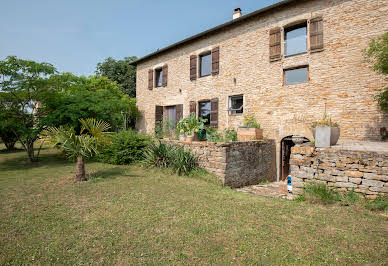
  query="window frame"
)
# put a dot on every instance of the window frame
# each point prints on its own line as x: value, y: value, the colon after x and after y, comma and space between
x: 158, y: 70
x: 199, y: 110
x: 231, y: 112
x: 294, y: 68
x: 291, y: 27
x: 207, y: 53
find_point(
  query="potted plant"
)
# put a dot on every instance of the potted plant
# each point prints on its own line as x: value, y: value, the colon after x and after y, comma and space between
x: 326, y: 133
x: 250, y: 130
x: 189, y: 126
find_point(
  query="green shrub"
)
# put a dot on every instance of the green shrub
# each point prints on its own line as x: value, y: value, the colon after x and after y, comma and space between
x: 378, y: 204
x: 319, y: 193
x: 350, y: 197
x: 230, y: 135
x: 165, y: 155
x: 126, y: 147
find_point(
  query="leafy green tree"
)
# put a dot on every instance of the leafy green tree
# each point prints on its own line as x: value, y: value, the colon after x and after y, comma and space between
x: 377, y: 55
x: 87, y: 97
x: 10, y: 128
x: 24, y: 85
x: 121, y: 72
x: 79, y: 147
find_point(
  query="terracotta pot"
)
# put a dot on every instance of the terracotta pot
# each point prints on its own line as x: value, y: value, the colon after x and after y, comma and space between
x: 334, y: 135
x: 244, y: 133
x: 189, y: 138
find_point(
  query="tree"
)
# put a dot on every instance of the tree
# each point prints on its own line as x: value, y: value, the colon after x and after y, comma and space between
x: 82, y: 97
x: 377, y: 55
x: 120, y: 71
x: 79, y: 147
x: 24, y: 85
x: 10, y: 128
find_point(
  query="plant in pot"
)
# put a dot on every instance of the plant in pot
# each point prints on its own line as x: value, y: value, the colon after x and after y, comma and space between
x: 250, y: 130
x: 326, y: 133
x: 189, y: 126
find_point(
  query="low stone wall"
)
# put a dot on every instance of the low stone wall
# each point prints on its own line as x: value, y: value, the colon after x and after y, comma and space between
x: 237, y: 164
x: 364, y: 171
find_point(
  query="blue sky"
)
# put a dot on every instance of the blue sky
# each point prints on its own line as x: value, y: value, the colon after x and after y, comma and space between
x: 74, y: 35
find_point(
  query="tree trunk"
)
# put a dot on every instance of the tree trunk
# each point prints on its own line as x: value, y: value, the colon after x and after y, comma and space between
x: 30, y: 152
x: 10, y: 145
x: 80, y: 171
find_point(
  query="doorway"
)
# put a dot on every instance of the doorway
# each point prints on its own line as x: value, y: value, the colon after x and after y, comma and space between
x: 285, y: 153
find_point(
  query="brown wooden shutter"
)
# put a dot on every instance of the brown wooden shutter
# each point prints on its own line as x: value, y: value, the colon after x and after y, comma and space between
x: 274, y: 44
x: 179, y: 112
x: 316, y: 34
x: 158, y: 116
x: 193, y: 108
x: 193, y: 67
x: 215, y: 60
x: 164, y: 75
x: 214, y: 112
x: 150, y: 79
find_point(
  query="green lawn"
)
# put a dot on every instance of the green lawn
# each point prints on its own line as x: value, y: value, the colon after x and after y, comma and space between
x: 130, y: 215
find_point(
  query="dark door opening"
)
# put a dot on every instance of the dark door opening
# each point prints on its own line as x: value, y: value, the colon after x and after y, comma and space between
x: 285, y: 152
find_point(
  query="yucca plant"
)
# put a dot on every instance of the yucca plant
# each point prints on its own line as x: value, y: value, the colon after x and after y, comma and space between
x: 78, y: 147
x: 183, y: 161
x: 159, y: 154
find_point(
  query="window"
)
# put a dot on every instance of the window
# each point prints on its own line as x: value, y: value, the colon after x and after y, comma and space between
x: 296, y: 75
x: 236, y: 104
x: 158, y: 77
x: 295, y: 39
x: 205, y: 65
x: 170, y: 115
x: 204, y: 111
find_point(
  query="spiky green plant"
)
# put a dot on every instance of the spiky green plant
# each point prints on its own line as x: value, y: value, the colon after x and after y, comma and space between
x: 82, y: 146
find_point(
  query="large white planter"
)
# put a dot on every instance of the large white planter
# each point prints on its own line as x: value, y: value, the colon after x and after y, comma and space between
x: 326, y: 136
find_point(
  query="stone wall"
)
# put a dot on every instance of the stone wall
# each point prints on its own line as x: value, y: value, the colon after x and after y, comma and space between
x: 338, y: 75
x: 364, y: 171
x: 237, y: 164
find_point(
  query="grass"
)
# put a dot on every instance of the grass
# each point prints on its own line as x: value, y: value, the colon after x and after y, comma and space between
x: 133, y: 215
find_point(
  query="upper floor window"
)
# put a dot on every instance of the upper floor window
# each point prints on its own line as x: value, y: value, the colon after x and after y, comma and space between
x: 158, y: 77
x: 205, y: 64
x: 296, y: 75
x: 236, y: 104
x: 295, y: 39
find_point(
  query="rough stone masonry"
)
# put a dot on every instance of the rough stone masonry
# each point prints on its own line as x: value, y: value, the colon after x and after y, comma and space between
x: 364, y: 171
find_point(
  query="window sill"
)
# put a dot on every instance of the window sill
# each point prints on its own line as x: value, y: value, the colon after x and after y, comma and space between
x: 291, y: 55
x: 288, y: 85
x: 204, y: 76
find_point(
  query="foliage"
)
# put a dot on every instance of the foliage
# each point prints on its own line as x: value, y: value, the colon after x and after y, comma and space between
x: 87, y: 144
x: 190, y: 125
x: 249, y: 121
x: 165, y: 155
x: 319, y: 193
x: 378, y: 204
x: 92, y: 97
x: 121, y: 72
x: 377, y: 55
x: 326, y: 121
x: 166, y: 129
x: 24, y: 86
x: 350, y: 197
x: 10, y: 128
x: 125, y: 147
x: 230, y: 134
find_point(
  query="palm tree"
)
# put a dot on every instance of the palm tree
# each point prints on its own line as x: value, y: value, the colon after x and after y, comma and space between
x: 85, y: 145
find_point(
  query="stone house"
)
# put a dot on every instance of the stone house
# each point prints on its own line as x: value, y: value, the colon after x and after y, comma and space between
x: 284, y: 64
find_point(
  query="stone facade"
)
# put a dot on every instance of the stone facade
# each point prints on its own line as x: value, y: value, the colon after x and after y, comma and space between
x: 364, y: 171
x: 237, y: 164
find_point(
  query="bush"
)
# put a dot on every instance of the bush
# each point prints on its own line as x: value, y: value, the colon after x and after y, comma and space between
x: 378, y: 204
x: 164, y: 155
x: 319, y: 193
x: 126, y: 147
x: 230, y: 135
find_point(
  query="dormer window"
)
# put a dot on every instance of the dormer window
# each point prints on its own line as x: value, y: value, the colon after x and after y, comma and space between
x: 295, y: 39
x: 158, y: 77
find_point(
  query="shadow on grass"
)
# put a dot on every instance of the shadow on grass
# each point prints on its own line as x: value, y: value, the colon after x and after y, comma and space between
x: 111, y: 173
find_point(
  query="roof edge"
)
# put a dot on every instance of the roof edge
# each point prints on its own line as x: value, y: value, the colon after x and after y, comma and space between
x: 216, y: 28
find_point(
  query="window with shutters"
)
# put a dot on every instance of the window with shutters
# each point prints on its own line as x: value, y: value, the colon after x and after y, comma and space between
x: 236, y: 104
x: 205, y: 64
x: 295, y: 39
x: 296, y: 75
x: 158, y: 77
x: 204, y: 108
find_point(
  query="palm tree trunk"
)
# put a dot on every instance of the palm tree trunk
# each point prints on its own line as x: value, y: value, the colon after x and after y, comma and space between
x: 80, y: 171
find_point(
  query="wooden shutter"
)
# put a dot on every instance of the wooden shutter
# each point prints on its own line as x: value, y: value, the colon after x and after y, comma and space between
x: 164, y: 75
x: 215, y: 60
x: 316, y: 34
x: 158, y: 116
x: 193, y: 108
x: 274, y: 44
x: 179, y: 112
x: 193, y: 67
x: 214, y: 112
x: 150, y: 79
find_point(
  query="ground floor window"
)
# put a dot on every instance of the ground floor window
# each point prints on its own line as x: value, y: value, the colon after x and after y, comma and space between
x: 236, y: 104
x: 204, y: 109
x: 296, y: 75
x: 170, y: 115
